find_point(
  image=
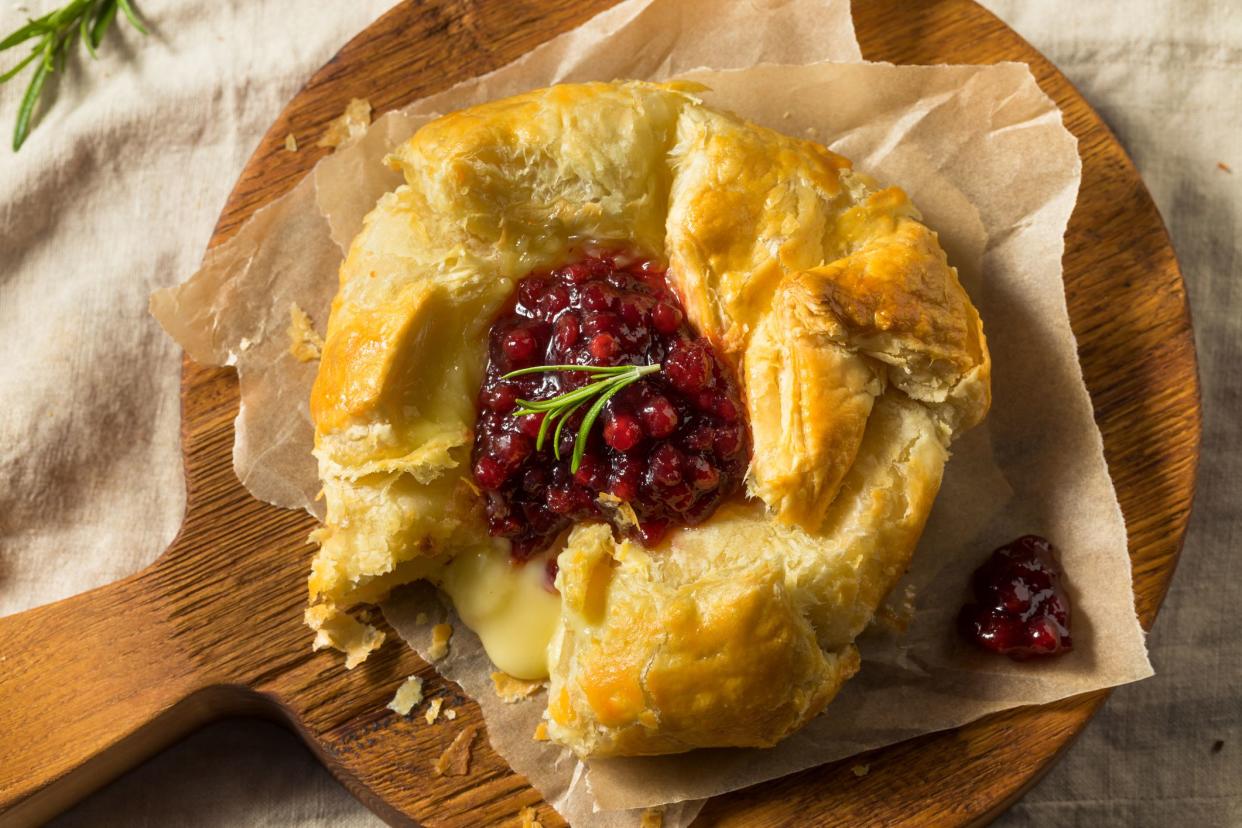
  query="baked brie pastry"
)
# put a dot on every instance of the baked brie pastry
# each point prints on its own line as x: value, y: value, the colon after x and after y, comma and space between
x: 694, y: 570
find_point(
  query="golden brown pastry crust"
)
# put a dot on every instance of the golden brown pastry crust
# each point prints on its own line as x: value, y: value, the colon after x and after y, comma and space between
x: 859, y: 354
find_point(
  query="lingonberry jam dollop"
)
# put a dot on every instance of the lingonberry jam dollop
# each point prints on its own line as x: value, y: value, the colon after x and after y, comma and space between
x: 1020, y: 609
x: 673, y: 444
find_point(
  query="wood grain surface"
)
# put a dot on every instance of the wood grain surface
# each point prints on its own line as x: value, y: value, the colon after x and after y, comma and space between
x: 91, y: 685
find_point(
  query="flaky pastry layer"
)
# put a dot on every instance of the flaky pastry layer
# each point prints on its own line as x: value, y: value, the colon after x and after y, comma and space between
x: 859, y: 354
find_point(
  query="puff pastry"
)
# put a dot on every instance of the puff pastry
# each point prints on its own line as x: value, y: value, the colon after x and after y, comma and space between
x: 859, y: 355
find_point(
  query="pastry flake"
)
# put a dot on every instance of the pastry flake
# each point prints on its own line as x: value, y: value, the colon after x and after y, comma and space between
x: 305, y: 343
x: 511, y: 690
x: 348, y: 126
x: 455, y: 760
x: 408, y: 695
x: 440, y: 635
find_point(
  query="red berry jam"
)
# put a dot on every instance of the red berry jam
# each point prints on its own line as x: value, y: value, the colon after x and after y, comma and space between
x: 1020, y: 609
x: 673, y: 444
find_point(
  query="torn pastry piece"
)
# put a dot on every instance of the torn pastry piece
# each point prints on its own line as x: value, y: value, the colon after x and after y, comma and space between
x: 341, y: 632
x: 455, y: 760
x: 349, y: 126
x: 408, y: 695
x: 685, y: 533
x: 511, y: 690
x: 304, y: 342
x: 440, y: 635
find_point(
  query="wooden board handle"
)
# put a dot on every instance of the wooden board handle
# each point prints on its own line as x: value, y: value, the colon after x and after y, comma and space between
x: 89, y: 686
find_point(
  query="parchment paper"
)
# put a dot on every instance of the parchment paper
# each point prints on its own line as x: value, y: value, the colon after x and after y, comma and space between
x: 983, y: 153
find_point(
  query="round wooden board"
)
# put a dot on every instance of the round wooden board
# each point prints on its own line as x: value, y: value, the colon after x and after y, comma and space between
x: 95, y: 683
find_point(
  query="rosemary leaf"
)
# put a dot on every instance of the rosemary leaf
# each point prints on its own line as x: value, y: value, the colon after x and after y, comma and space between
x: 556, y: 438
x: 19, y: 67
x: 34, y: 28
x: 589, y: 420
x: 104, y: 15
x: 22, y: 128
x: 56, y: 35
x: 132, y: 16
x: 561, y: 407
x: 589, y: 369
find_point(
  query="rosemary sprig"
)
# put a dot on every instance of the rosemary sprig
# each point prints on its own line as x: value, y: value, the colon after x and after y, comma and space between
x: 558, y: 409
x: 55, y: 34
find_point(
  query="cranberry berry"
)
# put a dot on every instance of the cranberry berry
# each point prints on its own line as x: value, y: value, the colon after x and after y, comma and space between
x: 1020, y: 609
x: 673, y: 444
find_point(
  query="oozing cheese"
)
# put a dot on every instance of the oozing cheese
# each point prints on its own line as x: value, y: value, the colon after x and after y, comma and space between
x: 507, y: 606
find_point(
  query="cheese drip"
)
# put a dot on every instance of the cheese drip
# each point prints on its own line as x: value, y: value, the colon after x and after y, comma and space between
x: 507, y: 606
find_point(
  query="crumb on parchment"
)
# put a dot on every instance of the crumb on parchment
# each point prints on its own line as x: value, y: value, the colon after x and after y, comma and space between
x: 652, y: 818
x: 440, y: 635
x: 541, y: 732
x: 304, y: 342
x: 455, y: 761
x: 349, y: 125
x: 421, y: 618
x: 896, y: 613
x: 1224, y: 167
x: 409, y: 694
x: 433, y: 710
x: 530, y: 818
x: 511, y: 690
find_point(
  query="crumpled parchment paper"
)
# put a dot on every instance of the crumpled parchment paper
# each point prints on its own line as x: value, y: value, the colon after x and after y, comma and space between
x: 982, y: 152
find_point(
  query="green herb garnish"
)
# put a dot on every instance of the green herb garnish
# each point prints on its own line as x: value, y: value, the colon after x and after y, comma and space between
x: 558, y: 409
x: 55, y: 34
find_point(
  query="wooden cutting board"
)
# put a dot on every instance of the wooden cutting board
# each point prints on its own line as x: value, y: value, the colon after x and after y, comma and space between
x: 91, y: 685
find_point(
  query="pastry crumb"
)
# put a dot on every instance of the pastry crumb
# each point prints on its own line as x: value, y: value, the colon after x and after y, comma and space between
x: 897, y: 613
x: 511, y: 690
x: 455, y: 761
x: 440, y: 635
x: 541, y: 732
x: 861, y: 770
x: 421, y: 618
x: 450, y: 714
x: 433, y: 710
x: 339, y: 631
x: 1224, y: 167
x: 349, y: 125
x: 530, y: 818
x: 409, y: 694
x: 304, y: 342
x: 652, y: 818
x: 621, y: 509
x: 291, y: 143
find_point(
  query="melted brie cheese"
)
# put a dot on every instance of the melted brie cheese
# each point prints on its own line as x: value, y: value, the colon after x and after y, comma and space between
x: 507, y: 606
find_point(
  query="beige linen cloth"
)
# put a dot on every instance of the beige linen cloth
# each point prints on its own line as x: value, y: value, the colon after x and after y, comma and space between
x: 116, y: 193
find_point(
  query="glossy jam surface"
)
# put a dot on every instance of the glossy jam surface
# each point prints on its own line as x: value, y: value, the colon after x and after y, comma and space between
x: 672, y: 445
x: 1020, y: 609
